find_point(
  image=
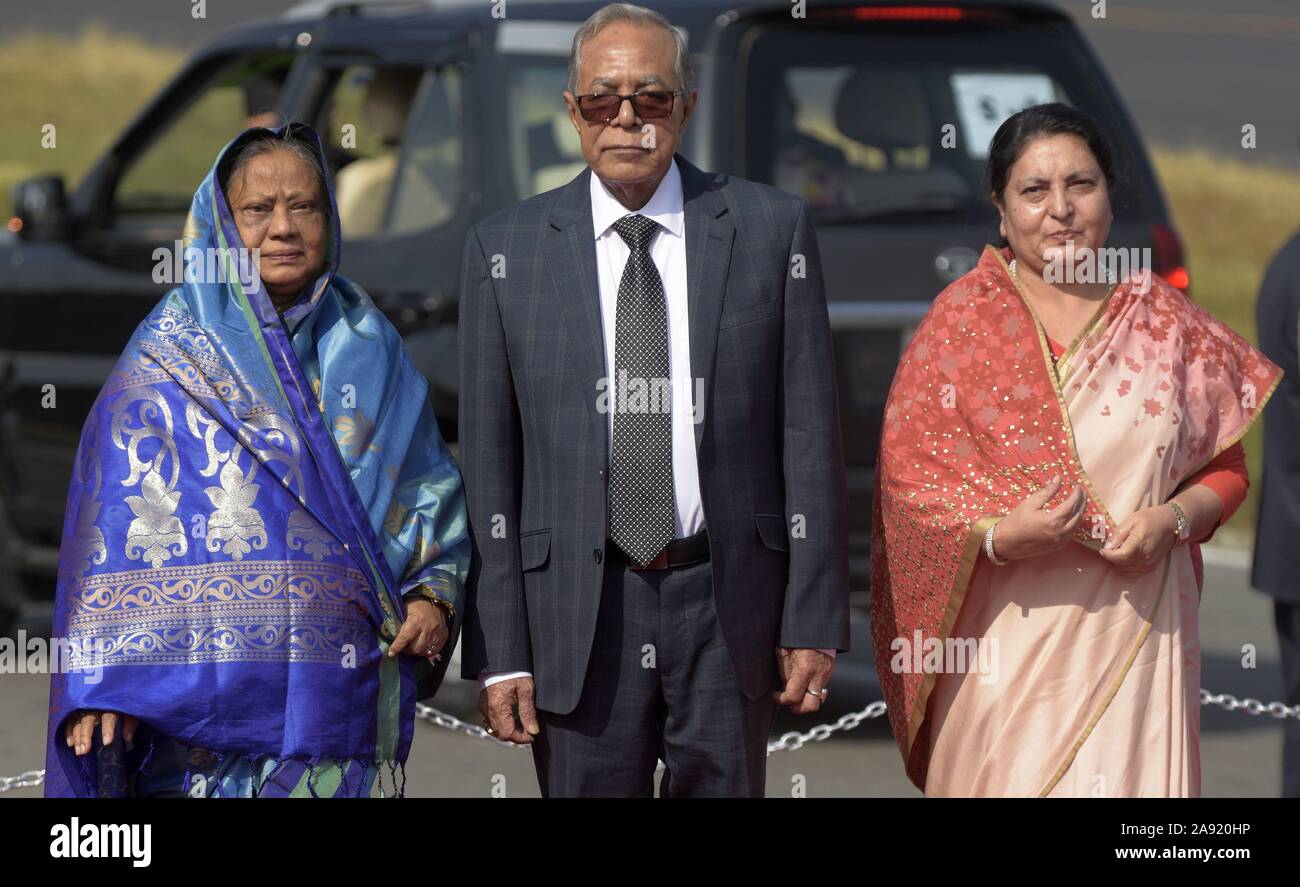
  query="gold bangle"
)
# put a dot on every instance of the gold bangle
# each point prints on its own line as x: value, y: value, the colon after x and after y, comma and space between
x: 428, y: 593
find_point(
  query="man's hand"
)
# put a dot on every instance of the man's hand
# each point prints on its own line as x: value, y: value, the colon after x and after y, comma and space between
x: 424, y: 632
x: 806, y: 674
x: 79, y: 728
x: 497, y: 704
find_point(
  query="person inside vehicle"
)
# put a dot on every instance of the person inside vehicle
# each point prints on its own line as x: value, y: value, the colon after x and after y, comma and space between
x: 363, y: 186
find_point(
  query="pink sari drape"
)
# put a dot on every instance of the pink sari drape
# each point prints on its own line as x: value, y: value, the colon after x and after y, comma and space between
x: 1077, y: 680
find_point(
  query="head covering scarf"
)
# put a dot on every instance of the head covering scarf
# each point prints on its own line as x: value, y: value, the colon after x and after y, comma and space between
x: 251, y: 498
x: 976, y: 421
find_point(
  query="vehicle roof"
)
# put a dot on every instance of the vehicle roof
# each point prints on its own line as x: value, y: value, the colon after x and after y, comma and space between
x: 696, y: 17
x: 693, y: 15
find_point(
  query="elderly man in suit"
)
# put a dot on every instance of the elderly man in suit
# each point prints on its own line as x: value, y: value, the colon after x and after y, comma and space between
x: 1274, y: 573
x: 651, y: 449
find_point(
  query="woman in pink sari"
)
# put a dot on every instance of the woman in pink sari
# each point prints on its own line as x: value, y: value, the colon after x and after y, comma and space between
x: 1053, y: 449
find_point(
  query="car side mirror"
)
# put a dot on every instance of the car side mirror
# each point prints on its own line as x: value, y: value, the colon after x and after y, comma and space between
x: 41, y: 208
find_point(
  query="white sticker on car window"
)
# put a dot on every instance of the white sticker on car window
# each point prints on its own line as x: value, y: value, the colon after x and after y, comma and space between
x: 984, y: 100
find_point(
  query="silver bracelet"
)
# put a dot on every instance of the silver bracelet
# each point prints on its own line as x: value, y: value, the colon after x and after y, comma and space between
x: 1182, y: 526
x: 988, y: 546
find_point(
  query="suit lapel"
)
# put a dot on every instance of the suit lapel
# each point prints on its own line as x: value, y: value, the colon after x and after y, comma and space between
x: 570, y: 246
x: 710, y: 233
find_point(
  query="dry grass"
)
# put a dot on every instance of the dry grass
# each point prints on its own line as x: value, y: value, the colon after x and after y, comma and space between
x: 89, y: 87
x: 1233, y: 217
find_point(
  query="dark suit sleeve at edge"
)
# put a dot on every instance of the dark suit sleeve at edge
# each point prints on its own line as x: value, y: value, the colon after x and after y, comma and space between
x: 816, y: 612
x: 496, y: 620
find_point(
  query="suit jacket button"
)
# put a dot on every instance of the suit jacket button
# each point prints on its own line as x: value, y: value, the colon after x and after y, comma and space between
x: 597, y: 555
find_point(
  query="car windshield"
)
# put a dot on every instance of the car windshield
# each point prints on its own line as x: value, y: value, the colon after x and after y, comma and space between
x: 895, y: 124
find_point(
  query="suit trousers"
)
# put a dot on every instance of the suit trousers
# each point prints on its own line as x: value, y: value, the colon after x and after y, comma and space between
x: 1286, y: 615
x: 659, y: 685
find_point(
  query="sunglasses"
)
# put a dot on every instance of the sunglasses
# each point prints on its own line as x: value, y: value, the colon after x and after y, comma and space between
x: 602, y: 107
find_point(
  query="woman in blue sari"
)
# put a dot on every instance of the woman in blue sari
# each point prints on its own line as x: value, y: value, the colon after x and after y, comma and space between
x: 265, y: 540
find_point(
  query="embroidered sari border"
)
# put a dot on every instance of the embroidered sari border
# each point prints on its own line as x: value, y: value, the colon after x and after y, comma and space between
x: 1068, y: 426
x: 965, y: 569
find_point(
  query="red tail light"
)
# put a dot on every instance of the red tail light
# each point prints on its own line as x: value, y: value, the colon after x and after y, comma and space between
x: 1168, y: 257
x: 911, y: 14
x: 908, y: 13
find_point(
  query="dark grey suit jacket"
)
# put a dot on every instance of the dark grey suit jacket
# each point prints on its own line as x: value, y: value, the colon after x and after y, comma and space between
x: 1278, y: 315
x: 534, y: 447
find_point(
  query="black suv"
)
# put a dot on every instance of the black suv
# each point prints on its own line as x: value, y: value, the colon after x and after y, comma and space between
x: 438, y: 114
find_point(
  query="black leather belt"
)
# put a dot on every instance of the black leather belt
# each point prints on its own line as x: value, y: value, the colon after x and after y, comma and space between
x: 677, y: 553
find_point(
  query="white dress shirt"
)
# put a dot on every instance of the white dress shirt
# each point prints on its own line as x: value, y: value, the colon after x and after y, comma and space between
x: 668, y: 250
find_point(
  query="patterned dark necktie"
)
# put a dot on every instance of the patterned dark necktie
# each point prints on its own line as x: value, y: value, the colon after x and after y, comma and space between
x: 641, y: 470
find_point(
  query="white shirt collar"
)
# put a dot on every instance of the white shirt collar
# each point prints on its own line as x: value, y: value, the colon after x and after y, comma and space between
x: 664, y: 207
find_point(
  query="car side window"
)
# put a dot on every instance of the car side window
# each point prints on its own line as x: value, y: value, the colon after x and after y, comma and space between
x: 545, y: 151
x: 394, y: 137
x: 431, y: 170
x: 158, y: 182
x: 876, y: 125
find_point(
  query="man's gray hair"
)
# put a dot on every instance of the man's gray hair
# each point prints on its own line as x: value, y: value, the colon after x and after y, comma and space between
x: 636, y: 15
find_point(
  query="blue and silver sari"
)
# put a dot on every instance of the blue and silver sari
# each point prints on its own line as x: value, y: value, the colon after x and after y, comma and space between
x: 252, y: 497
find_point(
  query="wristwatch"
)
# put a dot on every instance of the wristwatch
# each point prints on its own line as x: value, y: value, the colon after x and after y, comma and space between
x: 1183, y: 527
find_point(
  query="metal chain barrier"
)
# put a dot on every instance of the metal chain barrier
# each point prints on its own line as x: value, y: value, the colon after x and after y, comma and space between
x: 1250, y: 706
x: 796, y: 740
x: 787, y: 742
x: 791, y: 741
x: 22, y: 780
